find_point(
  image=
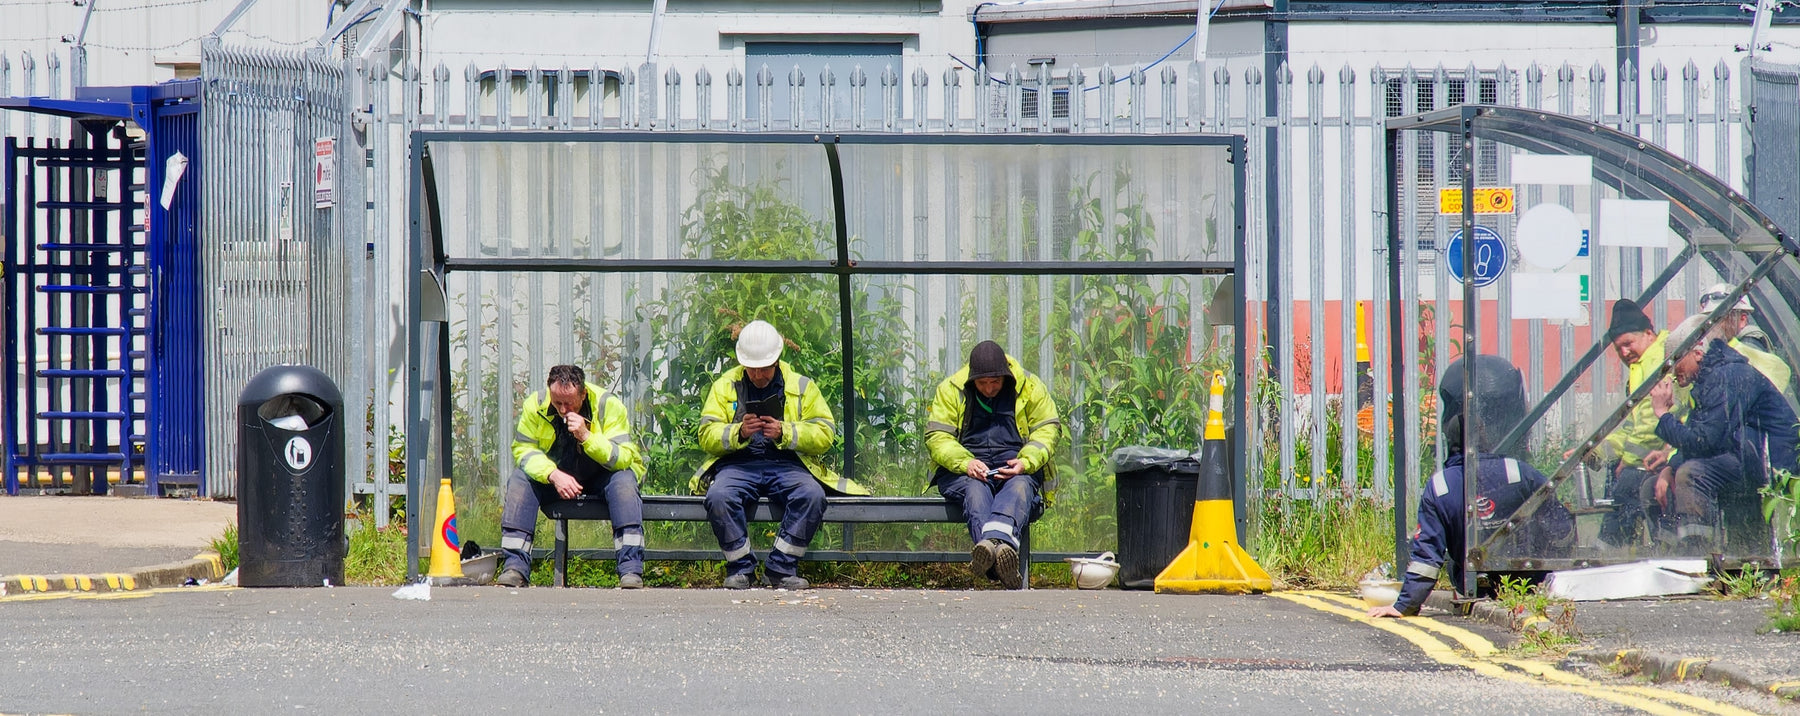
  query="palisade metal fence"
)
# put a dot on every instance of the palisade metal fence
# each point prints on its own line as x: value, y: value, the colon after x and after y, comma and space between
x: 1315, y: 176
x: 287, y: 270
x: 1314, y: 205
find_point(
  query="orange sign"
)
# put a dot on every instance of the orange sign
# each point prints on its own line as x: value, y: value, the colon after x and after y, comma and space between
x: 1488, y: 200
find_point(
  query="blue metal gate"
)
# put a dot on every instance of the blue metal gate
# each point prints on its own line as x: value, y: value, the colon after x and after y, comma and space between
x: 102, y: 281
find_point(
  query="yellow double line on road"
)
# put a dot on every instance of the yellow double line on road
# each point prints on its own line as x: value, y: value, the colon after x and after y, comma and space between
x: 1475, y: 653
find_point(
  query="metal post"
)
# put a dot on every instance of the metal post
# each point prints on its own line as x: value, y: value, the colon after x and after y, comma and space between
x: 1471, y: 470
x: 1401, y: 410
x: 846, y: 322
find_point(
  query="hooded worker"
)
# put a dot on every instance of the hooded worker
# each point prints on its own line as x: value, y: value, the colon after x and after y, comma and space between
x: 1739, y: 422
x: 1505, y: 483
x: 992, y: 432
x: 767, y: 428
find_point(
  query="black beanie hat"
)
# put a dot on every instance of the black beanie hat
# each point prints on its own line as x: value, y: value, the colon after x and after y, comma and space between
x: 988, y: 360
x: 1627, y: 318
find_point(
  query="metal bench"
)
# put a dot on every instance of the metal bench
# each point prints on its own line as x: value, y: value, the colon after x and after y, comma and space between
x: 850, y: 510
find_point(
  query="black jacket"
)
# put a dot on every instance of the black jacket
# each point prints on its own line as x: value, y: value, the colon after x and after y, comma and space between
x: 1735, y: 410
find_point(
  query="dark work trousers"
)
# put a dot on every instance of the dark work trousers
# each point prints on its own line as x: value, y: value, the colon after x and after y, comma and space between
x: 1621, y: 526
x: 518, y: 516
x: 996, y: 509
x: 1693, y: 509
x: 788, y: 485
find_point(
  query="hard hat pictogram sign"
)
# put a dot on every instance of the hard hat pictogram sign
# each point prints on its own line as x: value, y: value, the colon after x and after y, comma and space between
x: 1488, y: 200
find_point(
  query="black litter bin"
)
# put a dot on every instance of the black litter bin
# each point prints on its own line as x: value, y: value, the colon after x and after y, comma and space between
x: 290, y: 484
x: 1156, y: 489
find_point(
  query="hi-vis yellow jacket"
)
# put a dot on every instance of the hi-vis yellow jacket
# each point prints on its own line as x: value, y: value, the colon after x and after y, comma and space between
x: 1035, y: 413
x: 1767, y: 364
x: 1636, y: 435
x: 806, y: 428
x: 609, y: 436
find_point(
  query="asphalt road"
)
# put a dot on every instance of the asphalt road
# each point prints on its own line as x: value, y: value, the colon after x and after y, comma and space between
x: 359, y: 650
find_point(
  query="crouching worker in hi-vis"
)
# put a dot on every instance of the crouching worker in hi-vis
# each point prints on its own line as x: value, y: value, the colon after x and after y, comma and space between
x: 572, y: 440
x: 992, y: 431
x: 1503, y: 484
x: 767, y: 429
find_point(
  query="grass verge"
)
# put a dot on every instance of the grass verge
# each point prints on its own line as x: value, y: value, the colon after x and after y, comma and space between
x: 1327, y: 542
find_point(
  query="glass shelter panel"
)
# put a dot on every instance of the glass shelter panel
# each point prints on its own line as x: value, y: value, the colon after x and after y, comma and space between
x: 1633, y: 392
x: 1024, y: 201
x: 535, y: 197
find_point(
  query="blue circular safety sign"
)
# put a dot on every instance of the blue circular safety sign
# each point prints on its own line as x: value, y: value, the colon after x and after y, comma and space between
x: 1491, y: 256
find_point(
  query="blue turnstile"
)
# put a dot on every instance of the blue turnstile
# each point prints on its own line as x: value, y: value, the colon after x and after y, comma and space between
x: 102, y: 278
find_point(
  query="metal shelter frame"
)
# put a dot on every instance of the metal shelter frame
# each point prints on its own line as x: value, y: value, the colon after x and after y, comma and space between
x: 1703, y: 211
x: 429, y: 356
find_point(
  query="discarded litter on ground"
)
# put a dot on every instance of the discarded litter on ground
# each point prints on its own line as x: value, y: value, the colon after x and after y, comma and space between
x: 420, y: 591
x: 1649, y: 578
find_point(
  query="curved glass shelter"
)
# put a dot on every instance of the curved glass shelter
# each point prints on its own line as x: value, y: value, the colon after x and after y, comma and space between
x: 1569, y: 218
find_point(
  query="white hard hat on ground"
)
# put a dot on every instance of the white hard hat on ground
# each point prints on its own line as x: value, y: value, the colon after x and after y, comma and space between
x: 1712, y: 297
x: 758, y: 345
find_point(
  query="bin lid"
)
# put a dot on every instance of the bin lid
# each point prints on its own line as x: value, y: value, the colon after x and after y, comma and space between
x: 282, y: 380
x: 1138, y: 457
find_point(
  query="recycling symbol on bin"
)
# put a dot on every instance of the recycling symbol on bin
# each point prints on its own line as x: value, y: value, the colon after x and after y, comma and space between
x: 299, y: 453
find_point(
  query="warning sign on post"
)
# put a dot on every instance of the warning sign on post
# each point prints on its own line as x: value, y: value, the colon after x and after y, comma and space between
x: 324, y: 172
x: 1488, y: 200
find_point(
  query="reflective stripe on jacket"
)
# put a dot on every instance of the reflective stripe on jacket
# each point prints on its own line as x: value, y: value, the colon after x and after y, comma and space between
x: 609, y: 436
x: 807, y: 428
x: 1035, y: 413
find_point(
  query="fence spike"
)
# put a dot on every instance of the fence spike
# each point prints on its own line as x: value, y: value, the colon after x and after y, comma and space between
x: 1597, y: 73
x: 1534, y: 72
x: 1690, y: 71
x: 734, y: 78
x: 1659, y: 72
x: 1315, y: 75
x: 1722, y: 71
x: 921, y: 78
x: 1346, y: 74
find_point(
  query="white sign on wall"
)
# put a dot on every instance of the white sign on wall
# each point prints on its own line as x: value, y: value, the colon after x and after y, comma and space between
x: 324, y: 172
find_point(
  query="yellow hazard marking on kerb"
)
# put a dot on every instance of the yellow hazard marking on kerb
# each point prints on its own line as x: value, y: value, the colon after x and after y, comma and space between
x: 38, y: 584
x: 121, y: 581
x: 1778, y: 686
x: 218, y: 565
x: 85, y: 583
x: 1681, y: 667
x: 1414, y: 630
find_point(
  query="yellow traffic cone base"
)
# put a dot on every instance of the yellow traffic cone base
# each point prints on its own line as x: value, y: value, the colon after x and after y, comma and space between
x: 1213, y: 563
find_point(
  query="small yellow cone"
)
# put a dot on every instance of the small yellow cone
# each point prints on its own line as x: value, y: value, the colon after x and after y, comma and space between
x: 1213, y: 562
x: 446, y: 544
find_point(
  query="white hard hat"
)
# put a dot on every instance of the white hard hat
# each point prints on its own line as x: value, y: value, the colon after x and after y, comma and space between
x: 1717, y: 293
x: 758, y: 345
